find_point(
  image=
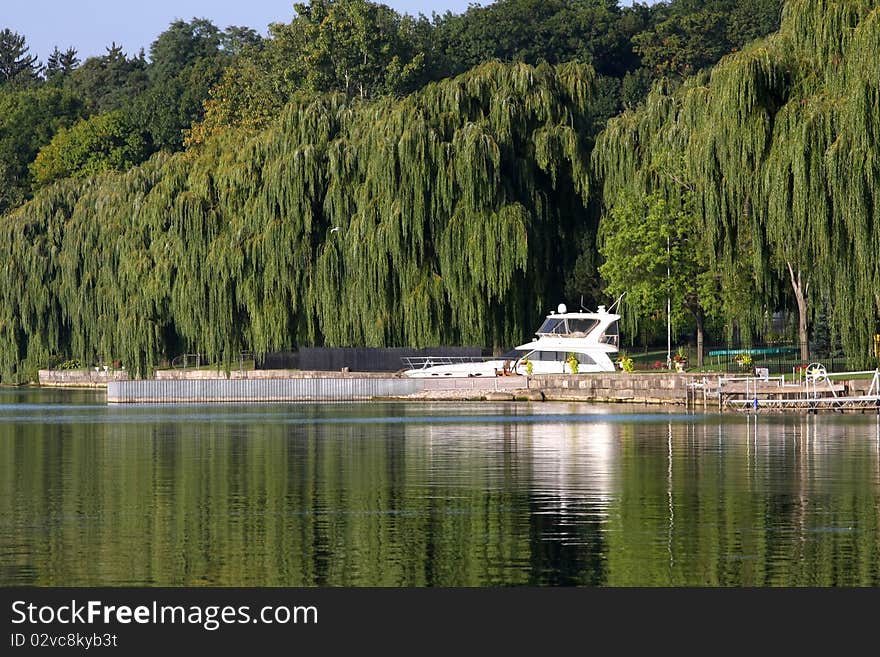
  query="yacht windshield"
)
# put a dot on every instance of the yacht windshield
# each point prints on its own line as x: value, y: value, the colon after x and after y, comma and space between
x: 576, y: 328
x: 580, y: 328
x: 612, y: 335
x: 552, y: 326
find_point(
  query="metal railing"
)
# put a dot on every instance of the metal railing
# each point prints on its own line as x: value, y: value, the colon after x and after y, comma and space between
x: 774, y: 357
x: 424, y: 362
x: 814, y: 391
x: 185, y: 361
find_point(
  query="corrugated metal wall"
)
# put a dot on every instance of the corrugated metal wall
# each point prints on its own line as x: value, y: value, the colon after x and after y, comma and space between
x: 265, y: 390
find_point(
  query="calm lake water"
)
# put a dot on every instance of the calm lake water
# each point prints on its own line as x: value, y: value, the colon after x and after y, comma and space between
x: 395, y: 494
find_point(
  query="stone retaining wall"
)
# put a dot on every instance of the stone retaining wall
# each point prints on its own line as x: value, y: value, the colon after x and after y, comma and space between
x: 80, y: 378
x: 490, y: 383
x: 618, y: 387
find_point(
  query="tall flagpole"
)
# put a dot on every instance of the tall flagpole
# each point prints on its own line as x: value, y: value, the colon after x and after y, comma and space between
x: 668, y: 312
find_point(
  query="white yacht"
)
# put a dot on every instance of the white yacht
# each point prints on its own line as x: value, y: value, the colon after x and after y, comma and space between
x: 591, y: 337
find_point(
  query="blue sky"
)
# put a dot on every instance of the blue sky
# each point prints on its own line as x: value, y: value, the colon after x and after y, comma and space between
x: 91, y: 25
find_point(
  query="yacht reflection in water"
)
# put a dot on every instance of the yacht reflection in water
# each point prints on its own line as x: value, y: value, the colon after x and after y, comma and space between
x: 574, y: 470
x: 572, y: 463
x: 569, y: 464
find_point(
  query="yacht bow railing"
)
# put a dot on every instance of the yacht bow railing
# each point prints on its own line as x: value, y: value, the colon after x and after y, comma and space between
x: 424, y: 362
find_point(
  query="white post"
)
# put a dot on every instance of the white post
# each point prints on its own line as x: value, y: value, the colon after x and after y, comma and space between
x: 668, y: 312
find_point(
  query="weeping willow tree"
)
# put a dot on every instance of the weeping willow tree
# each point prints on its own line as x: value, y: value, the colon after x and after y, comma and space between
x: 779, y: 144
x: 447, y: 216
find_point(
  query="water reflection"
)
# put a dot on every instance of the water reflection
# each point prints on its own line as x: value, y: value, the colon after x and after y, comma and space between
x: 400, y: 494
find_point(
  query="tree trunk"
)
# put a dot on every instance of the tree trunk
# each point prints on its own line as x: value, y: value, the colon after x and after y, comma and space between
x: 801, y: 289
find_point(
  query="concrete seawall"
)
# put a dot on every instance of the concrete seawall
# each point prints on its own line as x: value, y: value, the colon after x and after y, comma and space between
x: 80, y: 378
x: 289, y: 385
x: 283, y: 385
x: 616, y: 387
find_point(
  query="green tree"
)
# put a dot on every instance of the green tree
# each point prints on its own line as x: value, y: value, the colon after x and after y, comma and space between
x: 351, y: 46
x: 356, y: 47
x: 456, y: 208
x: 582, y: 282
x: 187, y: 61
x: 654, y: 251
x: 686, y: 36
x: 235, y: 39
x: 181, y: 45
x: 29, y: 119
x: 109, y: 82
x: 172, y: 104
x: 248, y: 95
x: 635, y: 87
x: 17, y: 66
x: 60, y: 64
x: 779, y: 147
x: 683, y: 45
x: 753, y: 19
x: 555, y: 31
x: 101, y: 143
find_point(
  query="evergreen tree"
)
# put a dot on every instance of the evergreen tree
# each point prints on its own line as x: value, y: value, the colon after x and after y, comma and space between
x: 68, y: 61
x: 61, y: 63
x: 16, y: 65
x: 53, y: 63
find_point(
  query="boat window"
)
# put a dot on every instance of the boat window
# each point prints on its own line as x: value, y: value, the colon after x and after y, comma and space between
x: 551, y: 326
x: 612, y: 335
x: 559, y: 357
x: 581, y: 326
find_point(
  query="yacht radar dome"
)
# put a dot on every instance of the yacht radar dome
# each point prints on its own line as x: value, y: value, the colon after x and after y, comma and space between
x: 561, y: 309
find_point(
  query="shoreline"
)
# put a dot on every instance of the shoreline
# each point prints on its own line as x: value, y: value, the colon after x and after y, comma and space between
x: 674, y: 389
x: 286, y: 386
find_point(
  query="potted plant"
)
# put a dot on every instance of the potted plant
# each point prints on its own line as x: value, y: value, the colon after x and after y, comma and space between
x: 626, y: 363
x: 573, y: 363
x: 680, y: 359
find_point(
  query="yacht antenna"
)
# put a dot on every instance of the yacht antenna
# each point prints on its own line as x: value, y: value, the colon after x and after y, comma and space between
x: 583, y: 309
x: 616, y: 302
